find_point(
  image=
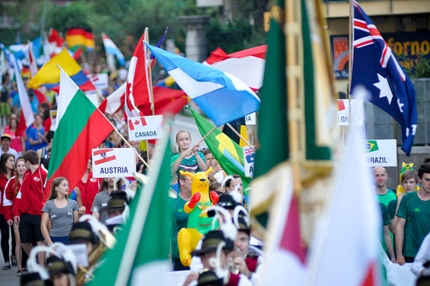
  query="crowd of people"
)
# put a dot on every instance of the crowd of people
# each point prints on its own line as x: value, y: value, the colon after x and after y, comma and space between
x: 405, y: 216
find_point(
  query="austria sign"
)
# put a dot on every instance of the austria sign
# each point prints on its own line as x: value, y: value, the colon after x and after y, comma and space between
x: 251, y: 119
x: 113, y: 162
x: 145, y: 127
x: 381, y: 152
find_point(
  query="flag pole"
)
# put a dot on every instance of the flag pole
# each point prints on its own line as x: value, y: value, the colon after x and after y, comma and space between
x: 241, y: 137
x: 293, y: 73
x: 204, y: 137
x: 148, y: 68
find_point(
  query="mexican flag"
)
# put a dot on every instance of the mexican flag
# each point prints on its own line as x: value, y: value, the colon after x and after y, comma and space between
x: 140, y: 255
x: 80, y: 127
x: 227, y: 152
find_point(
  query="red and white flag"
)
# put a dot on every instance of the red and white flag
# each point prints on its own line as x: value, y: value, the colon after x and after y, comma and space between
x: 346, y: 247
x: 33, y: 65
x: 286, y: 254
x: 27, y: 116
x: 114, y: 102
x: 246, y: 65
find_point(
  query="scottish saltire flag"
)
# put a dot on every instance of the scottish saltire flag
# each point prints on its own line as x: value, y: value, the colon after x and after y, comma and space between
x: 112, y: 49
x: 376, y: 68
x: 221, y: 96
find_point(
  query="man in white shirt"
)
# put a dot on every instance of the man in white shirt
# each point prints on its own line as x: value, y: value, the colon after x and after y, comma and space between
x: 5, y: 146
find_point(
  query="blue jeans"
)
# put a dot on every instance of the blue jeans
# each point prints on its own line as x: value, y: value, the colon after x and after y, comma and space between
x: 62, y: 239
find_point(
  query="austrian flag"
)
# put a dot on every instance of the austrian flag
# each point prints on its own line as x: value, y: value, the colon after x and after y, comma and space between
x: 100, y: 156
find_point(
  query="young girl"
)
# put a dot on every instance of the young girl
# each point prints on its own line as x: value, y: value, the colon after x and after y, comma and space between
x: 10, y: 209
x: 188, y: 158
x: 7, y: 163
x: 61, y: 211
x: 16, y: 141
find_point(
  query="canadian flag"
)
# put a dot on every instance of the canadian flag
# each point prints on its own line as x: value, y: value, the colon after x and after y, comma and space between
x: 132, y: 123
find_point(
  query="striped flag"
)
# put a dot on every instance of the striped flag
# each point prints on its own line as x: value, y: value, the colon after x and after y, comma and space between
x: 140, y: 255
x: 27, y: 116
x: 76, y: 36
x: 79, y: 134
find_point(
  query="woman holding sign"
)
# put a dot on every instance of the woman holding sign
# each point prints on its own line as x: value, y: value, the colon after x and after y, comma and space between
x: 188, y: 158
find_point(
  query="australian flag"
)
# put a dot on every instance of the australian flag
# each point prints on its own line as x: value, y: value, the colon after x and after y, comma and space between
x: 376, y: 68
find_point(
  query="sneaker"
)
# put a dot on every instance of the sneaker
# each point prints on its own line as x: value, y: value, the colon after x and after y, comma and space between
x: 6, y: 266
x: 14, y: 263
x: 19, y: 273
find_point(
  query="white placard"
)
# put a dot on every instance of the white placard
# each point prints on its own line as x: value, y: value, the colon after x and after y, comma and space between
x: 113, y: 162
x: 94, y: 97
x: 99, y: 80
x: 343, y: 117
x: 381, y: 152
x: 248, y: 160
x: 145, y: 127
x: 80, y: 251
x: 251, y: 119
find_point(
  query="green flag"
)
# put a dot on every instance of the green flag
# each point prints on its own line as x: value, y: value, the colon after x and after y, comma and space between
x: 227, y: 152
x: 140, y: 256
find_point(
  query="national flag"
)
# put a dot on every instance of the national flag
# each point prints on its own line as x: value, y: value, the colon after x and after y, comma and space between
x: 138, y: 87
x: 79, y: 134
x: 101, y: 156
x: 370, y: 146
x: 32, y: 63
x: 76, y: 36
x: 246, y: 65
x: 53, y: 44
x: 114, y: 102
x: 49, y: 74
x: 112, y: 49
x: 27, y: 117
x: 21, y: 51
x: 227, y: 152
x: 55, y: 38
x: 141, y: 252
x: 376, y: 68
x: 221, y: 96
x: 329, y: 264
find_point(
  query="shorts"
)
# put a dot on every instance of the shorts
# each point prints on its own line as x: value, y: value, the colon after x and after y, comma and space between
x: 29, y: 228
x: 4, y: 108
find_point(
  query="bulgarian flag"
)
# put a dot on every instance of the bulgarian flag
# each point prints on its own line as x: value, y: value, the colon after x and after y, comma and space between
x: 80, y: 127
x: 140, y: 255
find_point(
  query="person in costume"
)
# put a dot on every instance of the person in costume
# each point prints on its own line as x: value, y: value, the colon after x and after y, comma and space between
x: 61, y: 273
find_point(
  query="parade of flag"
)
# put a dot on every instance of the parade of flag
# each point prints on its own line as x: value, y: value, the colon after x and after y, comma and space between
x: 79, y: 134
x: 221, y: 96
x: 49, y: 74
x: 141, y: 252
x: 376, y: 68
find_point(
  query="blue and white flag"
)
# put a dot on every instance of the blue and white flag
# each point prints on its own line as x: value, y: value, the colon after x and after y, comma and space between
x: 376, y: 68
x: 221, y: 96
x: 112, y: 49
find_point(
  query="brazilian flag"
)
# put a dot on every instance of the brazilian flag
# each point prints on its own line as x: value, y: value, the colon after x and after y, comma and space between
x: 227, y: 152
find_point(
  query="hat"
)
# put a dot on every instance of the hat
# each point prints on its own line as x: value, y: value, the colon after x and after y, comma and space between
x: 33, y: 279
x: 5, y: 136
x: 226, y: 201
x: 211, y: 241
x: 208, y: 277
x: 81, y: 232
x: 56, y: 265
x: 243, y: 225
x: 117, y: 201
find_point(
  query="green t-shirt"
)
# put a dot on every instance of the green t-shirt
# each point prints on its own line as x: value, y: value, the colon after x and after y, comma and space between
x: 417, y: 226
x: 188, y: 163
x: 392, y: 208
x: 179, y: 221
x: 388, y: 197
x: 385, y: 221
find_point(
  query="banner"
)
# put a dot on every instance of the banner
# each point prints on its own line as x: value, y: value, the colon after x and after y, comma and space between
x: 409, y: 48
x: 343, y: 116
x: 251, y: 119
x: 381, y: 152
x: 145, y: 127
x: 113, y: 162
x: 100, y: 80
x: 248, y: 155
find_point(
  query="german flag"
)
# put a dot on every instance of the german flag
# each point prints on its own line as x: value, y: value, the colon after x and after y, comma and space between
x: 80, y: 37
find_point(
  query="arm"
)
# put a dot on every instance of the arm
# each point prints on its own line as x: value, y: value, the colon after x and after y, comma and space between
x: 388, y: 243
x: 400, y: 227
x: 423, y: 256
x: 75, y: 216
x: 44, y: 228
x: 78, y: 196
x: 200, y: 161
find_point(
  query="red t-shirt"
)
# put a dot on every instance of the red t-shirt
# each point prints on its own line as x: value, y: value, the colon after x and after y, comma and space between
x: 10, y: 201
x: 31, y: 192
x: 89, y: 191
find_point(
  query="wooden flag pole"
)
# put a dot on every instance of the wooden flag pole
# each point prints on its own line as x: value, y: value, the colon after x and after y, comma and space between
x: 241, y: 137
x: 148, y: 81
x: 204, y: 137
